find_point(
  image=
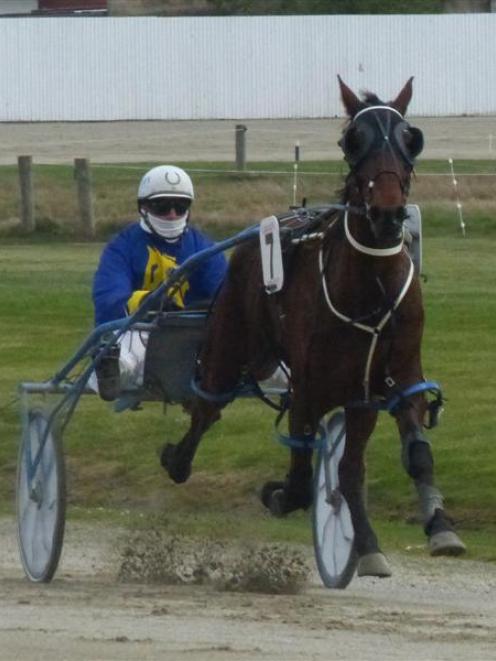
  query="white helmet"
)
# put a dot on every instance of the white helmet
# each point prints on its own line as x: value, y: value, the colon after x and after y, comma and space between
x: 164, y: 181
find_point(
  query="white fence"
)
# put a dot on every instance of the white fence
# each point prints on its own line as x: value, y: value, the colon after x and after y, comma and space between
x: 84, y: 69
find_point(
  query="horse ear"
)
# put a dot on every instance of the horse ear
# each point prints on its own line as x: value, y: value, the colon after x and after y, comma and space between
x: 351, y: 102
x: 404, y: 97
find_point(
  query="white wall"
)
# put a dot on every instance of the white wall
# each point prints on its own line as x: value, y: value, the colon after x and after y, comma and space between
x: 81, y: 69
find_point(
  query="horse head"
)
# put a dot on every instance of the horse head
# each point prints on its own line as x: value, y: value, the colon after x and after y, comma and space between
x: 380, y: 147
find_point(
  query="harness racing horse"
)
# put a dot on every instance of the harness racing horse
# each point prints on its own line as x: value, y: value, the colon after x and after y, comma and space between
x: 348, y: 322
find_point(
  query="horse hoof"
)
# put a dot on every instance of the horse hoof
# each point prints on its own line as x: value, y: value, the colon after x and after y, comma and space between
x: 178, y: 472
x: 446, y: 542
x: 273, y: 498
x: 280, y: 500
x: 277, y: 504
x: 373, y: 564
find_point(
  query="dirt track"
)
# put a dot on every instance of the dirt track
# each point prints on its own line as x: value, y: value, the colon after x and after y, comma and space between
x: 266, y: 140
x: 430, y: 609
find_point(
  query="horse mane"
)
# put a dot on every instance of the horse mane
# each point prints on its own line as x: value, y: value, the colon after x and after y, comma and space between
x: 371, y: 99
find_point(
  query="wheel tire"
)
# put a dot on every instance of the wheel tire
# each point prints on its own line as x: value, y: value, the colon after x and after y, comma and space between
x: 333, y: 534
x: 40, y: 501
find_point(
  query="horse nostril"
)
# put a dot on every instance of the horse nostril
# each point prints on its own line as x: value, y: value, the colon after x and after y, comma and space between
x: 394, y: 215
x: 387, y: 223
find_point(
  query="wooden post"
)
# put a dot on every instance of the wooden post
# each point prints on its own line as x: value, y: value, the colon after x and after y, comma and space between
x: 24, y: 164
x: 82, y: 175
x: 241, y: 146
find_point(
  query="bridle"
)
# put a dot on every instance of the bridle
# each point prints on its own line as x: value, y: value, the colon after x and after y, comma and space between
x: 380, y: 134
x: 389, y: 139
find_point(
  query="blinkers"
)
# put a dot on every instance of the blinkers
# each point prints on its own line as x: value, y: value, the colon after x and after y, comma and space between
x: 384, y: 128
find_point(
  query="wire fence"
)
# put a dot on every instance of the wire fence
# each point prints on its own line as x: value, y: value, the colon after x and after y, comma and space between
x: 94, y: 199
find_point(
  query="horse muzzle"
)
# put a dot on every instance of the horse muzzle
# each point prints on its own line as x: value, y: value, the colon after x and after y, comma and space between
x: 386, y: 224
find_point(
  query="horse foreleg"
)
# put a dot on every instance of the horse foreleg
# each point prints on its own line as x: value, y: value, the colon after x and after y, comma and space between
x: 359, y: 427
x: 177, y: 459
x: 417, y: 460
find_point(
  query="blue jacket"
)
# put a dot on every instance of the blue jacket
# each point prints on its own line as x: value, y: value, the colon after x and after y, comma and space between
x: 136, y: 262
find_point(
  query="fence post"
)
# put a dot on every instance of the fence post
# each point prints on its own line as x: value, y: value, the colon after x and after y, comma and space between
x: 24, y: 164
x: 241, y: 146
x: 82, y: 175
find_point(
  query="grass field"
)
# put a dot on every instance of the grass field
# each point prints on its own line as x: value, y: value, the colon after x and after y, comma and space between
x: 112, y: 459
x: 228, y: 200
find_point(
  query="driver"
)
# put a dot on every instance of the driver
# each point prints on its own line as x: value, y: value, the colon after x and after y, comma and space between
x: 139, y: 259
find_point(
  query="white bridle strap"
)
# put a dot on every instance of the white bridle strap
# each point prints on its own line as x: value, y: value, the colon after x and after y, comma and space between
x: 372, y: 330
x: 375, y: 252
x: 377, y: 108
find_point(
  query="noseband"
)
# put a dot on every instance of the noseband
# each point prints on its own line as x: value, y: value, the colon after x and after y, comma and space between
x: 374, y: 252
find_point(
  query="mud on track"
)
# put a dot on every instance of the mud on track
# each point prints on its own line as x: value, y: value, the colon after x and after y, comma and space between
x: 430, y: 609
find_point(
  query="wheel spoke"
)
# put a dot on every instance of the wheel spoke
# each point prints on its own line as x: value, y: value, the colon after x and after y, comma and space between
x: 39, y: 506
x: 332, y: 526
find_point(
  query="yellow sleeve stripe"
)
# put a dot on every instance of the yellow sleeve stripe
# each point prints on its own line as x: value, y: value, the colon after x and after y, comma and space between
x: 134, y: 301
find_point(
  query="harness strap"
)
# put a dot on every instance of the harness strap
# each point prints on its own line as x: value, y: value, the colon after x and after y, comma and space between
x: 369, y: 108
x: 247, y: 388
x: 422, y: 386
x: 374, y: 252
x: 375, y: 331
x: 308, y: 442
x: 297, y: 443
x: 391, y: 405
x: 434, y: 407
x: 220, y: 398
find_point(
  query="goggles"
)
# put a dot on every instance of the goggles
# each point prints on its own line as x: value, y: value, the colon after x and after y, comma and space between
x: 162, y: 206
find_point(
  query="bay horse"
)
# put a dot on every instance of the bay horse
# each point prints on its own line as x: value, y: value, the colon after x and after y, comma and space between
x: 348, y: 322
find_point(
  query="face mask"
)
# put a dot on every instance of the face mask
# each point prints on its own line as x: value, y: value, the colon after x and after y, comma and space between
x: 167, y: 229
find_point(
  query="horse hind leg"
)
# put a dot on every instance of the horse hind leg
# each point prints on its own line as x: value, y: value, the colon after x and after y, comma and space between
x: 177, y: 459
x: 417, y: 460
x: 296, y: 491
x: 221, y: 360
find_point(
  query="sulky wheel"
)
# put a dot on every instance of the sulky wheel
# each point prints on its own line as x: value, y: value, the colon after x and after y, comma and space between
x: 40, y: 498
x: 333, y: 534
